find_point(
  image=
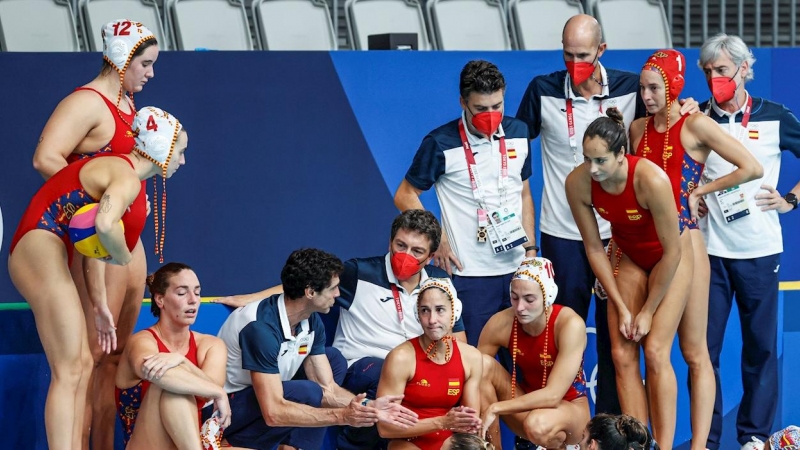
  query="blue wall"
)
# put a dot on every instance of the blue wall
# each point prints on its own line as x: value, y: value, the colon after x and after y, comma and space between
x: 292, y: 150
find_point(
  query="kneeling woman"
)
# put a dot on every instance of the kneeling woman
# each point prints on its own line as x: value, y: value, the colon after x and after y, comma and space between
x: 41, y: 252
x: 168, y: 371
x: 438, y: 376
x: 548, y: 405
x: 646, y: 272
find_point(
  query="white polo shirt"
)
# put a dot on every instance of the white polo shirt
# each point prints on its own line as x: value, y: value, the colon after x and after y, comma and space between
x: 440, y: 162
x: 369, y: 324
x: 544, y: 109
x: 771, y: 129
x: 259, y: 339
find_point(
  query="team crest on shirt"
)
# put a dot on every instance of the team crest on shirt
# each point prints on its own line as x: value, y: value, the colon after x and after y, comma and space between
x: 453, y: 386
x: 423, y: 382
x: 602, y: 211
x: 545, y: 360
x: 633, y: 214
x: 752, y: 131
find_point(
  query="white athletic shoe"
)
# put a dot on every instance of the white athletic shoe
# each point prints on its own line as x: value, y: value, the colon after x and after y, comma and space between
x: 211, y: 434
x: 754, y: 444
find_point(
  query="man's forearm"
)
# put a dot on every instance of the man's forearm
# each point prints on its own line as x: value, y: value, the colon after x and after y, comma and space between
x: 336, y: 397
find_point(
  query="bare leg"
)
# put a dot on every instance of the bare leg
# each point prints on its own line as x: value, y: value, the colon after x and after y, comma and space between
x: 662, y: 387
x: 694, y: 346
x: 496, y: 386
x: 39, y: 271
x: 125, y: 291
x: 166, y: 421
x: 556, y: 427
x: 632, y: 285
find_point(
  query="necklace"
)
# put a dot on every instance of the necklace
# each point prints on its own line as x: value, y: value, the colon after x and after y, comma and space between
x: 667, y: 153
x: 430, y: 351
x: 545, y: 361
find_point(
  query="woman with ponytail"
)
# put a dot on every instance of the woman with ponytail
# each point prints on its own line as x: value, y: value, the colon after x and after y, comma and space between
x: 645, y: 272
x: 168, y: 372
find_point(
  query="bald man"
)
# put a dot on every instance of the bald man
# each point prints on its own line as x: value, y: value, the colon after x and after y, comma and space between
x: 552, y: 102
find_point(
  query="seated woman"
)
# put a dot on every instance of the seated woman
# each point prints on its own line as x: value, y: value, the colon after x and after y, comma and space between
x: 547, y: 405
x: 646, y: 271
x: 438, y: 376
x: 168, y: 371
x: 623, y: 432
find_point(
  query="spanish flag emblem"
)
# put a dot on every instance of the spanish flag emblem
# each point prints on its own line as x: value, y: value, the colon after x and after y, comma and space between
x: 512, y: 153
x: 453, y: 383
x: 753, y: 134
x: 302, y: 350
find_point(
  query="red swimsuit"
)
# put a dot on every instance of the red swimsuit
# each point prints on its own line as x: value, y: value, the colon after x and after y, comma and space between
x: 53, y: 205
x: 632, y: 227
x: 534, y: 365
x: 122, y: 143
x: 433, y: 391
x: 683, y: 171
x: 129, y: 400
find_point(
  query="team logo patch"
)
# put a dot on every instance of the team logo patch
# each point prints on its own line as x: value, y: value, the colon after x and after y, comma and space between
x: 423, y: 382
x: 302, y: 350
x: 633, y: 214
x: 512, y: 153
x: 453, y: 386
x: 752, y: 134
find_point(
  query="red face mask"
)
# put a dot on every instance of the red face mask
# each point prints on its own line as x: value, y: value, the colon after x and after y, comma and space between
x: 404, y: 266
x: 579, y: 71
x: 487, y: 122
x: 723, y: 88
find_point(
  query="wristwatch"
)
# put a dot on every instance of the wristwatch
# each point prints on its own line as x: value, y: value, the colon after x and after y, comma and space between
x: 791, y: 199
x: 536, y: 247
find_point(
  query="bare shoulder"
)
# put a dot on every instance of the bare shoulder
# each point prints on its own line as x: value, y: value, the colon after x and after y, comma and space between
x: 498, y: 327
x: 84, y: 103
x: 468, y: 351
x: 578, y: 180
x: 647, y: 175
x: 207, y: 341
x: 637, y: 126
x: 568, y: 319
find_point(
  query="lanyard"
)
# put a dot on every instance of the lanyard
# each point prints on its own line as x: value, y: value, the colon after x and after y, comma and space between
x: 472, y: 168
x: 573, y: 141
x: 399, y: 307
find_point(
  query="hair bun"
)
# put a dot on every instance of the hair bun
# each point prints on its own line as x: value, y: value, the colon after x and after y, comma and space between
x: 149, y: 280
x: 616, y: 115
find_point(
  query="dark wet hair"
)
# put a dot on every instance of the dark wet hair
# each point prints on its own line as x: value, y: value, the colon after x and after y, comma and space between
x: 158, y: 282
x: 610, y: 129
x: 482, y: 77
x: 309, y: 267
x: 621, y: 432
x: 107, y: 67
x: 464, y: 441
x: 421, y: 221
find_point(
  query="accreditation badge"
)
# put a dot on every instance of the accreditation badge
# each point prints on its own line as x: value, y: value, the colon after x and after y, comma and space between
x: 506, y: 231
x: 733, y: 203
